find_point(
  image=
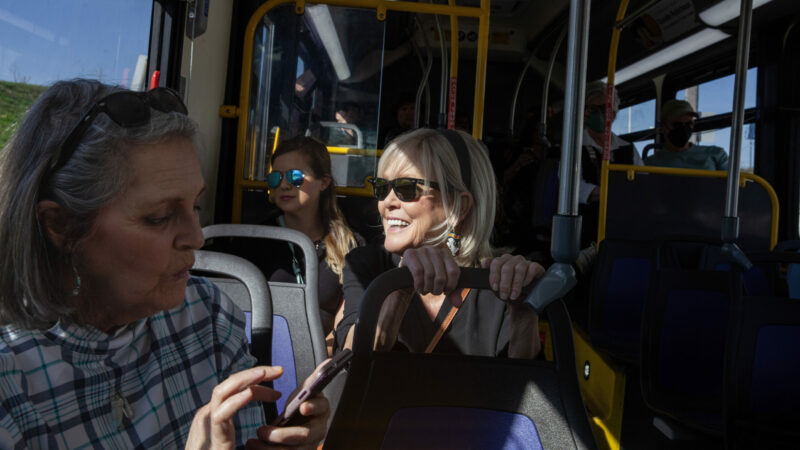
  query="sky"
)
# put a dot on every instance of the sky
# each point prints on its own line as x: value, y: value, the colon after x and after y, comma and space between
x: 42, y: 41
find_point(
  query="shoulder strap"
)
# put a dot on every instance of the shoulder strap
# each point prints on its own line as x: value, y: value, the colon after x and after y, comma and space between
x: 446, y: 322
x: 295, y: 265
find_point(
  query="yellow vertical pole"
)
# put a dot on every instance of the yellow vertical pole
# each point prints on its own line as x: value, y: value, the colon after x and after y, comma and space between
x: 612, y: 67
x: 480, y: 70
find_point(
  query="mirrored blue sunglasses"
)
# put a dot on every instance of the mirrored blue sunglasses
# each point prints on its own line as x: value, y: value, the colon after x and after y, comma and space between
x: 295, y: 177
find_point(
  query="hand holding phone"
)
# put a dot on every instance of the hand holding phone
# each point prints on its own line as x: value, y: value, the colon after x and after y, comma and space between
x: 313, y: 385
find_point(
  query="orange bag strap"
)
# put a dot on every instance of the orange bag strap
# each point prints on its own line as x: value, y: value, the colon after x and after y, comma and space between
x: 446, y: 322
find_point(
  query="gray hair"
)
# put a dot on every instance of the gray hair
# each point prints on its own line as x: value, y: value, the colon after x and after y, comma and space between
x: 33, y: 269
x: 431, y: 153
x: 598, y: 88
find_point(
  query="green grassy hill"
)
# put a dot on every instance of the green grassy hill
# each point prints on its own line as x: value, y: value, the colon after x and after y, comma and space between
x: 15, y: 99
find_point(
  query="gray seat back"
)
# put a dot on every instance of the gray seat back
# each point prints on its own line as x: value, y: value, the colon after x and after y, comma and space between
x: 246, y: 286
x: 298, y: 342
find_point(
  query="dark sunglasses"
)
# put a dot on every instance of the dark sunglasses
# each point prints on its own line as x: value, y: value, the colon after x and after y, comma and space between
x: 404, y: 188
x: 295, y: 177
x: 127, y: 109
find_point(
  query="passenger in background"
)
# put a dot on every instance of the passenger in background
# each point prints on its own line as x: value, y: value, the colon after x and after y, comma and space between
x: 347, y: 113
x: 302, y: 187
x: 437, y: 196
x: 622, y: 151
x: 403, y: 115
x: 677, y: 125
x: 106, y: 341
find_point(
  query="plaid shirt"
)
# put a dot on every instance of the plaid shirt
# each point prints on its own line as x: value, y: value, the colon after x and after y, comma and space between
x: 57, y: 386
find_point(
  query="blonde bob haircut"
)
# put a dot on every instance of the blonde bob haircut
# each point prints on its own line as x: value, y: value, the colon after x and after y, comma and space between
x: 431, y: 153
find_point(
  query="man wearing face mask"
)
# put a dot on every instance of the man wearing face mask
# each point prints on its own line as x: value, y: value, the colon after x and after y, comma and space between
x: 677, y: 126
x: 622, y: 152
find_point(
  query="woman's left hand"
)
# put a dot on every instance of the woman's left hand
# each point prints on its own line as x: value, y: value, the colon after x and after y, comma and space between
x: 508, y: 274
x: 305, y: 432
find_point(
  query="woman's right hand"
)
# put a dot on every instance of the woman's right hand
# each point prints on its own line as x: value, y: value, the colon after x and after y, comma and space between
x: 434, y: 271
x: 212, y: 426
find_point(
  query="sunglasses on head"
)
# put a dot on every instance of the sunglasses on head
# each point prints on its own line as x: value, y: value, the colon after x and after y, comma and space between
x: 404, y: 188
x: 295, y: 177
x: 127, y: 109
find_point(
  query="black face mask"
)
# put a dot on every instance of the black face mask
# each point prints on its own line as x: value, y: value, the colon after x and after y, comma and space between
x: 679, y: 134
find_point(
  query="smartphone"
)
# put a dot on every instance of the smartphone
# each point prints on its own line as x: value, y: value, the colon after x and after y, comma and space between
x: 313, y: 385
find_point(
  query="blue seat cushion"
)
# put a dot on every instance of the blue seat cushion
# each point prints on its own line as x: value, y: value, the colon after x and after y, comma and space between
x: 627, y: 291
x: 460, y: 428
x: 283, y: 355
x: 775, y: 389
x: 692, y: 342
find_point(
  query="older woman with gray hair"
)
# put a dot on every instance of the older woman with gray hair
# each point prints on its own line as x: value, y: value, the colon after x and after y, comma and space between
x: 436, y: 196
x: 622, y: 151
x: 105, y: 338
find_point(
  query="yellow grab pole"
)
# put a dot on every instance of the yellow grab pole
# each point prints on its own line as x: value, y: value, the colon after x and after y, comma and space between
x: 480, y: 70
x: 612, y: 67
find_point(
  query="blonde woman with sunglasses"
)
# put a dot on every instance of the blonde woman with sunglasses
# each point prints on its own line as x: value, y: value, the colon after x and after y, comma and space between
x: 436, y: 196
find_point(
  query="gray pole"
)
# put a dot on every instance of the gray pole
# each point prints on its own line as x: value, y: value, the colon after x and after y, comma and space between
x: 565, y: 245
x: 571, y: 139
x: 730, y: 229
x: 730, y: 221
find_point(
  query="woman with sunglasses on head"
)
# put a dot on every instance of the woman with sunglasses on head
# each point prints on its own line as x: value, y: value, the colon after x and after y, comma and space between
x: 105, y: 338
x: 436, y: 196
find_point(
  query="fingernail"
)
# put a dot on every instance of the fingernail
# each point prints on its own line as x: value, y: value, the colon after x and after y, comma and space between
x: 514, y: 294
x: 494, y: 286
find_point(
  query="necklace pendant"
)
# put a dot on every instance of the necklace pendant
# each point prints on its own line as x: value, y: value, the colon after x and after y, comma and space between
x: 121, y: 409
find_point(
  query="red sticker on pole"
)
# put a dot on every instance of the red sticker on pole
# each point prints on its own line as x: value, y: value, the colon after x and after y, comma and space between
x: 451, y: 104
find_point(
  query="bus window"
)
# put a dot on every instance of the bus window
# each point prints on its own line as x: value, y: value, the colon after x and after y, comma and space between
x: 716, y: 96
x: 44, y: 41
x: 638, y: 117
x: 332, y: 93
x: 722, y: 138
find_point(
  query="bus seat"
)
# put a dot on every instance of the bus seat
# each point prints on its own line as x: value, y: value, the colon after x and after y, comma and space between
x: 414, y: 400
x: 298, y: 344
x: 246, y: 286
x: 767, y: 277
x: 684, y: 333
x: 762, y: 393
x: 620, y: 285
x: 654, y: 205
x: 793, y: 271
